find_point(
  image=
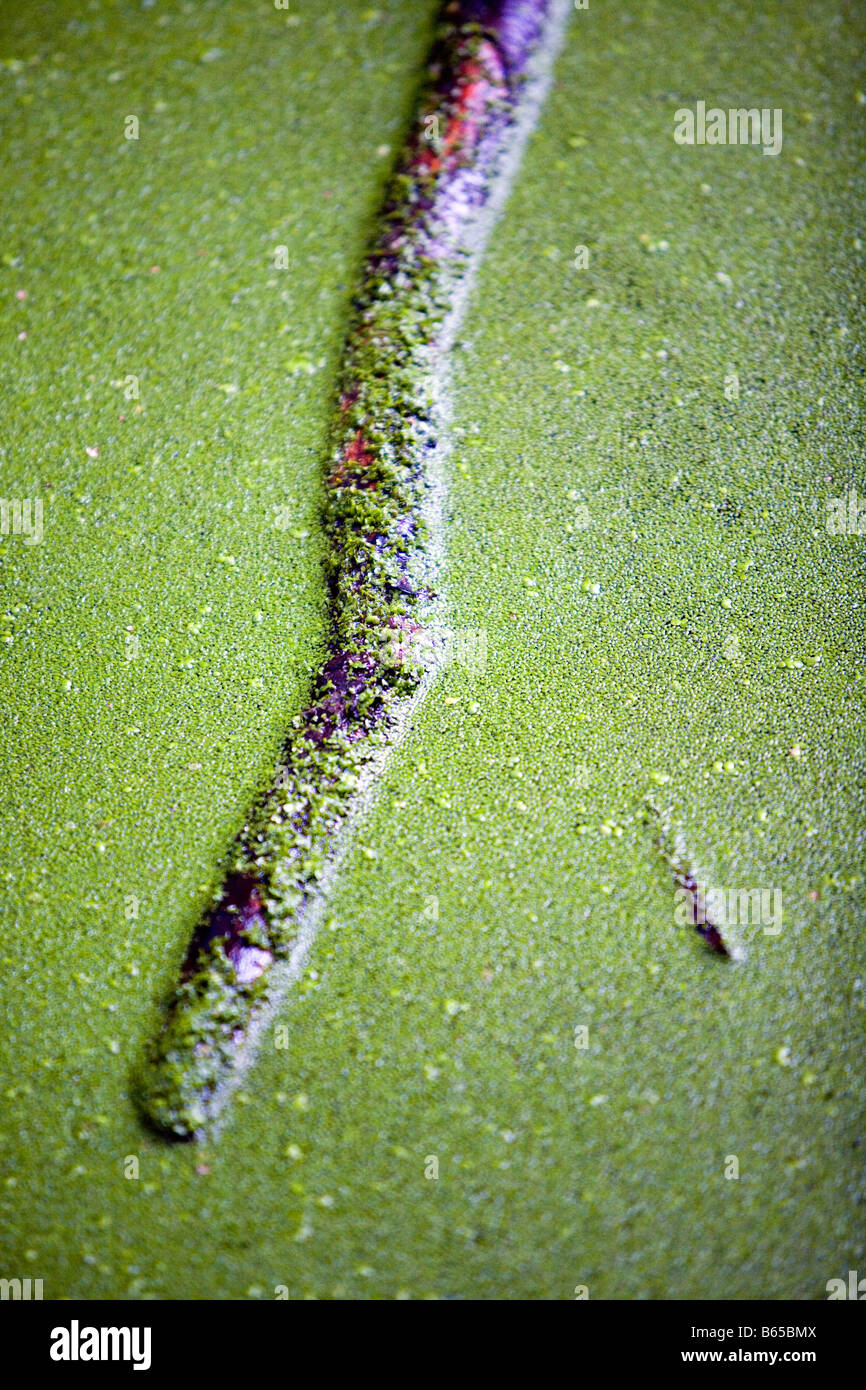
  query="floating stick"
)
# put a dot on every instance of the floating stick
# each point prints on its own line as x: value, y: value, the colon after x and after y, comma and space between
x: 486, y: 77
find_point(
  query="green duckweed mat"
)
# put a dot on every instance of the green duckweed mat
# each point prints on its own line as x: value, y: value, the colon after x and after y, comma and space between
x: 510, y: 1070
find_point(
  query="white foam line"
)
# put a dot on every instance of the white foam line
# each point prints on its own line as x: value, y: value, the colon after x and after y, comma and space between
x: 283, y: 974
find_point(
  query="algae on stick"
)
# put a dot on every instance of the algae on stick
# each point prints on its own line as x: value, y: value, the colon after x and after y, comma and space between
x: 377, y: 520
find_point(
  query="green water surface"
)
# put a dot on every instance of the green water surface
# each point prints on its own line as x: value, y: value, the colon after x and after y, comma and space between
x: 643, y: 543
